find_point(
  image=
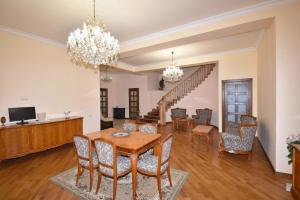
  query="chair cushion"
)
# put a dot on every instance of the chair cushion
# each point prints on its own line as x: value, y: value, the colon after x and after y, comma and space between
x: 149, y: 163
x: 147, y: 128
x: 149, y: 152
x: 123, y: 165
x: 130, y: 127
x: 86, y: 163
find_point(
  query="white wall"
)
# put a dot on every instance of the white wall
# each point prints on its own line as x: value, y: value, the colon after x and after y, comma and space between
x: 267, y: 93
x: 33, y: 73
x: 118, y: 91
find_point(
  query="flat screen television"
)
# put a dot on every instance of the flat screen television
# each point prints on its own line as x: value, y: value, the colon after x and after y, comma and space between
x: 21, y: 114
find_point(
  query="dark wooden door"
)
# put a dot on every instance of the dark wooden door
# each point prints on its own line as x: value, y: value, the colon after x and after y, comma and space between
x: 134, y: 103
x: 104, y: 101
x: 237, y: 100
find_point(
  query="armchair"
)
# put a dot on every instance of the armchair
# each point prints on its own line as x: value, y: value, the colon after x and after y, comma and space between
x: 238, y: 138
x: 178, y: 114
x: 203, y: 116
x: 234, y: 127
x: 106, y: 122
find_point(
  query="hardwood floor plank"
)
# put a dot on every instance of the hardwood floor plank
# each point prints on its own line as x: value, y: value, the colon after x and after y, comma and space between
x: 210, y: 177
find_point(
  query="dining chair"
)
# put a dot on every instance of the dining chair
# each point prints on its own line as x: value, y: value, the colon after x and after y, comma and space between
x: 130, y: 127
x: 148, y: 129
x: 87, y: 159
x: 157, y: 165
x: 110, y: 164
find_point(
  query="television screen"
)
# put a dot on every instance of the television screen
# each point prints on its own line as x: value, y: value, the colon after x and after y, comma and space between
x: 21, y: 113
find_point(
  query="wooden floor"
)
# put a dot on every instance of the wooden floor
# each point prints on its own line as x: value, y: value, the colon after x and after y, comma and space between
x: 229, y: 177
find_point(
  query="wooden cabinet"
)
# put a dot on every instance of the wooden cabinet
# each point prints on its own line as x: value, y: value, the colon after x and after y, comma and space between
x: 73, y: 127
x: 47, y: 135
x: 296, y: 171
x: 17, y: 140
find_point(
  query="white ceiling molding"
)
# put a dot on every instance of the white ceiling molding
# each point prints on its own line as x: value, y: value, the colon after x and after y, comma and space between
x: 205, y: 21
x: 190, y: 61
x: 32, y: 36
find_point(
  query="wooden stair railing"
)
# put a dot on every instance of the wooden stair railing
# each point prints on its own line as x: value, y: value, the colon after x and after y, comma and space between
x: 183, y: 88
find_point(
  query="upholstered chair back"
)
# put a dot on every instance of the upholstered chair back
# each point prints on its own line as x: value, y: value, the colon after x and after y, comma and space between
x: 148, y: 128
x: 105, y: 152
x: 178, y: 113
x: 130, y: 127
x: 82, y: 146
x: 247, y: 119
x: 203, y: 116
x: 248, y: 134
x: 166, y: 149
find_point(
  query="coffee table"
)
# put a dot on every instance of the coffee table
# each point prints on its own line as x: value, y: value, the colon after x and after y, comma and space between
x: 203, y: 130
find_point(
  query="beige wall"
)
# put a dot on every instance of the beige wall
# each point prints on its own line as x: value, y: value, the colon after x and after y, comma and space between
x: 287, y: 28
x: 267, y: 93
x: 33, y: 73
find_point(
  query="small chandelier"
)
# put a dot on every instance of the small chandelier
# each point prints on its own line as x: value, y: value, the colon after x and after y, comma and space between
x: 106, y: 78
x: 92, y: 45
x: 172, y: 73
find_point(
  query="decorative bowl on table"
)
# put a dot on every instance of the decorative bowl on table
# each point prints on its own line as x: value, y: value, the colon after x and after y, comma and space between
x: 120, y: 134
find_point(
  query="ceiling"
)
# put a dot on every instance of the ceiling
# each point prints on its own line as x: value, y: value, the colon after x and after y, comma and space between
x: 126, y: 19
x: 241, y: 41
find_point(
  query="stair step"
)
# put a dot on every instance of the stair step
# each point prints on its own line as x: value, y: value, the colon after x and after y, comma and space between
x: 153, y: 113
x: 149, y: 120
x: 151, y: 117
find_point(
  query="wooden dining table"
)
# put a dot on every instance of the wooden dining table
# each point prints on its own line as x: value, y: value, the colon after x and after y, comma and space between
x: 132, y: 145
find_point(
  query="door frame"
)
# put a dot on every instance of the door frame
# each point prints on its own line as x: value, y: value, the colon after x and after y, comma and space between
x: 250, y: 101
x: 138, y: 102
x: 106, y: 90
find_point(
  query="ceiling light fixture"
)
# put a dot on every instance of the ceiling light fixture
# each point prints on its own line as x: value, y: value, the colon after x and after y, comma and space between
x: 173, y: 73
x: 92, y: 44
x: 106, y: 78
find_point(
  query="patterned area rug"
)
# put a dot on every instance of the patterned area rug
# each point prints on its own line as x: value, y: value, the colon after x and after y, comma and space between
x: 147, y: 186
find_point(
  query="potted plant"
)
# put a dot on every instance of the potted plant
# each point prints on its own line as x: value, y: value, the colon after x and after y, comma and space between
x: 292, y: 139
x: 161, y: 84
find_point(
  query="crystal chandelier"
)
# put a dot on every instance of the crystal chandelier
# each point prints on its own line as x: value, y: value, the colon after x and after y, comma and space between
x: 92, y: 45
x: 172, y: 73
x: 106, y: 78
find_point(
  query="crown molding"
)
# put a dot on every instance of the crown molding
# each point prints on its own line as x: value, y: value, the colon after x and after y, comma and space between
x: 205, y: 21
x: 32, y: 36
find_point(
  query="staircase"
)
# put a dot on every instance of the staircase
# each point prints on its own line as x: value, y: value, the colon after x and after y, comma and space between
x: 152, y: 116
x: 180, y: 90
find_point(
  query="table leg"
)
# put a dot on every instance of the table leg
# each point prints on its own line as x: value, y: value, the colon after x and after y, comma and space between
x: 134, y: 158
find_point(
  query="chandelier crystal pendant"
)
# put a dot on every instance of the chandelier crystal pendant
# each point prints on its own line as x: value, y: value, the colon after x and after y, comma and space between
x: 106, y: 78
x: 173, y: 73
x: 92, y: 44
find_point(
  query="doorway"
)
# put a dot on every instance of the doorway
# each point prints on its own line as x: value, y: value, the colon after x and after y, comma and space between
x: 237, y: 100
x: 104, y: 101
x: 134, y: 108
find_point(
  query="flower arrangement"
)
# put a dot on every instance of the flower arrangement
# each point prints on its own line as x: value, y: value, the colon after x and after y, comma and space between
x: 292, y: 139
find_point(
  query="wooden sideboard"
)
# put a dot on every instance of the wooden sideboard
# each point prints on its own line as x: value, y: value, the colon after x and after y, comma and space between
x: 20, y: 140
x: 296, y: 171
